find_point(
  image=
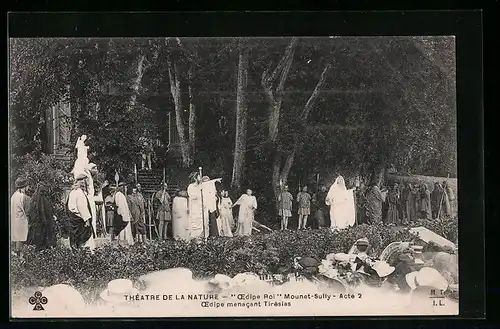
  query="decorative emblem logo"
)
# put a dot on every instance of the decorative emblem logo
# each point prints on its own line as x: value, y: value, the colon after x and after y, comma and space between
x: 38, y: 300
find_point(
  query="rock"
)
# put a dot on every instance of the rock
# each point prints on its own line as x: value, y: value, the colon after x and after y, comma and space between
x: 171, y: 280
x: 62, y: 300
x: 446, y: 264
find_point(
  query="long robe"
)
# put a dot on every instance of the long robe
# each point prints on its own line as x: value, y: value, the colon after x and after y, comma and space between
x: 19, y: 203
x: 180, y: 218
x: 225, y: 220
x: 360, y: 201
x: 342, y: 207
x: 425, y: 204
x: 393, y: 210
x: 198, y: 215
x: 411, y: 204
x: 123, y: 210
x: 374, y: 200
x: 213, y: 222
x: 248, y: 205
x: 321, y: 214
x: 41, y: 231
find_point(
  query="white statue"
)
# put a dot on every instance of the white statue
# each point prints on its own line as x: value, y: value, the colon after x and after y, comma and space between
x: 82, y: 161
x: 82, y: 166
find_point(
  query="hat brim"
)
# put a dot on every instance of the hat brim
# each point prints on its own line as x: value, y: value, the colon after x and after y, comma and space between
x: 410, y: 280
x: 117, y: 299
x: 385, y: 272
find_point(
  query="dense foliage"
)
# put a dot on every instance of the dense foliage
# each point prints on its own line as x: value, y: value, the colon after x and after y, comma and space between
x: 261, y: 254
x: 384, y: 100
x: 37, y: 168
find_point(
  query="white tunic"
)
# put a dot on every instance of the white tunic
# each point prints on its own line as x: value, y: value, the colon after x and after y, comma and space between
x: 198, y: 217
x: 19, y: 218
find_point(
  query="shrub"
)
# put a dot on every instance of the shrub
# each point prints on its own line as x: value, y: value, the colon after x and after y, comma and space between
x: 262, y: 254
x: 39, y: 167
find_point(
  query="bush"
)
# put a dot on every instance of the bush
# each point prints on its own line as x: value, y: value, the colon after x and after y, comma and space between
x: 39, y: 167
x: 262, y: 254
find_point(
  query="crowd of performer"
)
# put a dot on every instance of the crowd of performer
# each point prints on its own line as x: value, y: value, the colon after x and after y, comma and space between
x: 203, y: 209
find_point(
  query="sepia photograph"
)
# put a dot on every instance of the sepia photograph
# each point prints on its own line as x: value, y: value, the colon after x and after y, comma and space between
x: 183, y: 177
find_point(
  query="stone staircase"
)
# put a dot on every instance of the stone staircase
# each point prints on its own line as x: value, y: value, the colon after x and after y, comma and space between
x: 151, y: 180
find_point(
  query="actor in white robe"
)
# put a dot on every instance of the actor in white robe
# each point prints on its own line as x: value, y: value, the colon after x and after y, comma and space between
x: 342, y: 206
x: 198, y: 217
x: 180, y: 217
x: 123, y: 210
x: 248, y: 205
x: 225, y: 221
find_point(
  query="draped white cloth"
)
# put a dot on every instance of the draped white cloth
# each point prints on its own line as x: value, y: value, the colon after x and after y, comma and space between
x: 124, y: 211
x: 342, y: 206
x: 180, y: 218
x: 197, y: 213
x: 225, y: 221
x: 248, y: 205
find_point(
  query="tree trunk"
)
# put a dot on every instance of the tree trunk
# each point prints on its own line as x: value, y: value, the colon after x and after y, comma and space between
x: 275, y: 180
x: 282, y: 174
x: 175, y: 89
x: 137, y: 82
x: 192, y: 115
x: 241, y: 120
x: 275, y: 96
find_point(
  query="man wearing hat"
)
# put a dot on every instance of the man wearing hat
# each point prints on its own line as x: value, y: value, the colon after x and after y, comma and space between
x: 19, y: 203
x: 405, y: 266
x: 80, y: 215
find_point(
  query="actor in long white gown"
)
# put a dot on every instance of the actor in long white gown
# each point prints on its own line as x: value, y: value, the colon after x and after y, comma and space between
x: 248, y: 205
x: 180, y: 217
x: 225, y: 221
x: 342, y: 206
x: 196, y: 212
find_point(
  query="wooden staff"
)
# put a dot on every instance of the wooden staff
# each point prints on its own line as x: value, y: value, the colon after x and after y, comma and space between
x: 281, y: 203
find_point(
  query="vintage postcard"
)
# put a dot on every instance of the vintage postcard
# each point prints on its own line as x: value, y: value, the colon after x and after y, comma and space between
x: 242, y: 177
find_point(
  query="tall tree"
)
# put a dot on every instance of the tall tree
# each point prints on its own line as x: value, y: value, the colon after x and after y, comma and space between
x: 241, y: 118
